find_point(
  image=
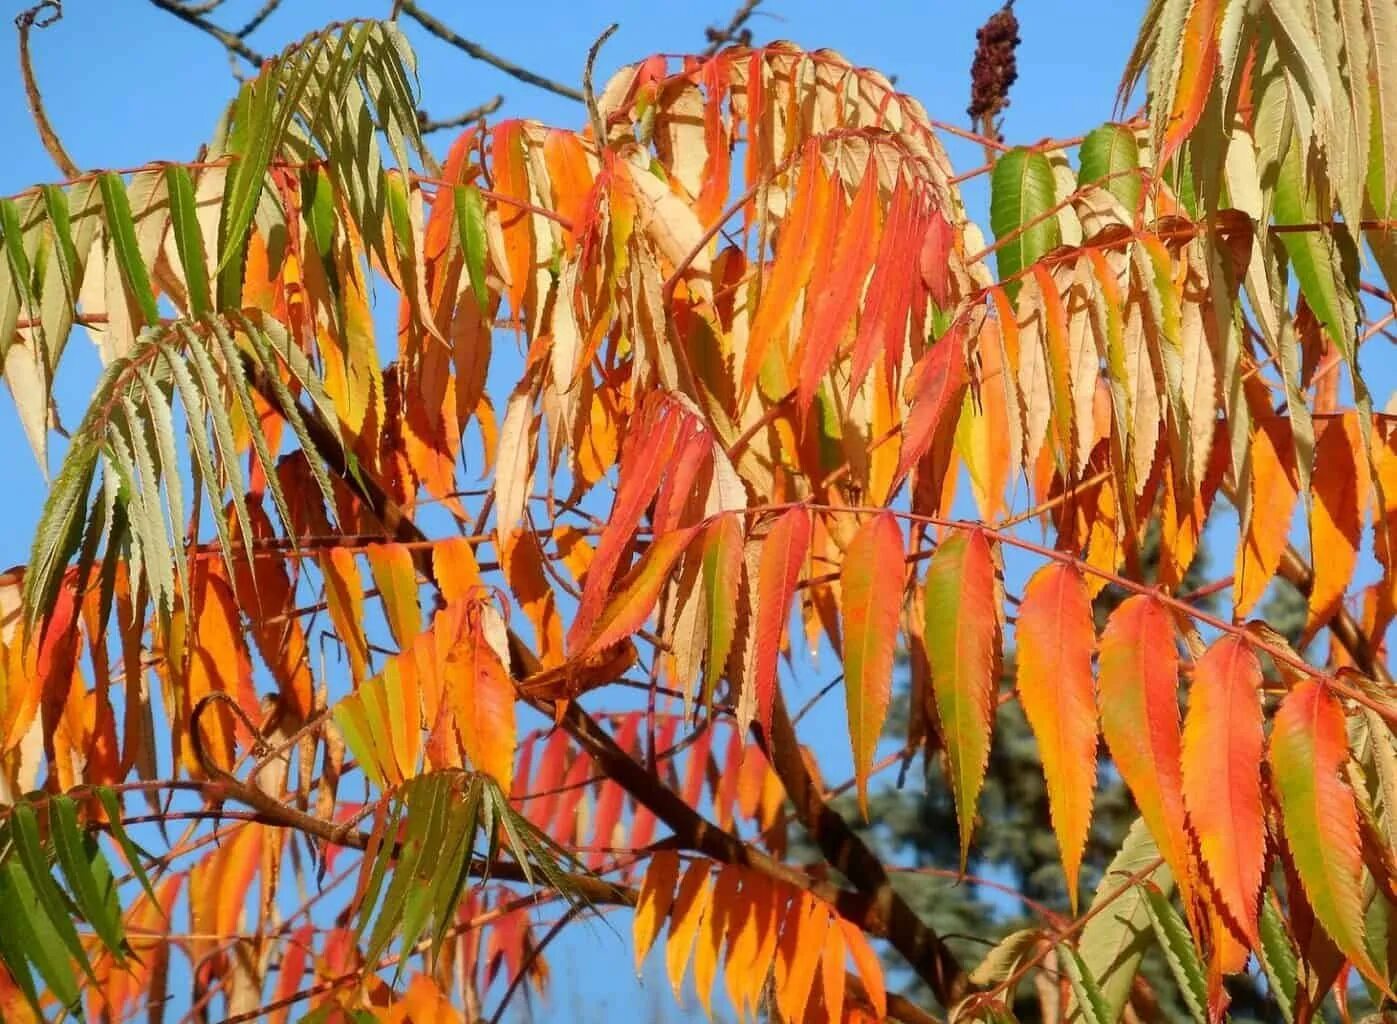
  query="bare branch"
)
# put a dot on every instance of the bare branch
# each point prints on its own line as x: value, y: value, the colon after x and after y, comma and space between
x: 735, y: 32
x: 42, y: 16
x: 231, y: 42
x: 589, y: 97
x: 426, y: 124
x: 256, y: 20
x: 478, y: 52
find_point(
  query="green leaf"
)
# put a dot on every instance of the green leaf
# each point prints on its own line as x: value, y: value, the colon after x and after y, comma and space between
x: 129, y: 850
x: 229, y: 461
x: 423, y: 797
x: 189, y: 239
x: 1278, y: 958
x: 34, y: 938
x: 453, y: 872
x: 78, y: 855
x: 15, y: 255
x: 1022, y: 191
x: 1110, y: 157
x: 1325, y: 261
x: 1004, y: 959
x: 127, y: 251
x: 722, y: 576
x: 470, y: 224
x: 1182, y: 958
x: 35, y: 870
x: 1118, y: 934
x: 1090, y: 1003
x: 65, y: 250
x: 60, y: 529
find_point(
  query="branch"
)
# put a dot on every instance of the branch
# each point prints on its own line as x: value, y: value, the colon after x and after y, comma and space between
x: 478, y: 52
x: 230, y: 41
x: 918, y: 943
x: 426, y: 124
x: 34, y: 18
x: 1343, y: 625
x: 735, y: 30
x: 589, y: 98
x: 262, y: 15
x: 271, y: 811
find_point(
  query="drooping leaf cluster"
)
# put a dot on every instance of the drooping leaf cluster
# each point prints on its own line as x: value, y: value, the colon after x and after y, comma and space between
x: 753, y: 346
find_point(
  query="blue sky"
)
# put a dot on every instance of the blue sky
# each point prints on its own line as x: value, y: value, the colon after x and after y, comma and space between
x: 126, y: 84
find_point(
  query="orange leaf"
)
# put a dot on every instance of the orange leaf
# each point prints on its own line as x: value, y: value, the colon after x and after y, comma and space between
x: 935, y: 388
x: 511, y: 180
x: 690, y: 906
x: 1139, y: 681
x: 569, y: 176
x: 1222, y: 778
x: 218, y: 662
x: 1275, y: 487
x: 832, y: 973
x: 961, y: 634
x: 869, y: 968
x: 744, y: 927
x: 1309, y: 746
x: 1340, y: 487
x: 836, y: 290
x: 649, y: 451
x: 637, y: 593
x: 523, y: 566
x: 654, y: 902
x: 888, y: 299
x: 396, y: 579
x: 456, y: 570
x: 710, y: 940
x: 344, y: 597
x: 804, y: 238
x: 482, y: 696
x: 798, y: 954
x: 782, y: 557
x: 871, y: 592
x: 1055, y: 638
x: 1194, y: 77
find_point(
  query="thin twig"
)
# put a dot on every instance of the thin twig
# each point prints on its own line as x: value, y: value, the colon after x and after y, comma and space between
x: 41, y: 16
x: 426, y: 124
x: 478, y: 52
x: 262, y: 15
x: 231, y: 42
x: 589, y: 97
x: 734, y: 32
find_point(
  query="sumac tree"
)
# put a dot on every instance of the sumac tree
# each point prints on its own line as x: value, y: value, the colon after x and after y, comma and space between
x: 722, y: 358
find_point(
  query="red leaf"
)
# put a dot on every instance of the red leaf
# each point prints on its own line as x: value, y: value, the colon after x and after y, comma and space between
x: 870, y: 580
x: 883, y: 320
x: 832, y: 303
x: 1222, y: 778
x: 934, y: 259
x: 649, y: 451
x: 936, y: 385
x: 1055, y: 638
x: 1139, y: 683
x: 783, y: 555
